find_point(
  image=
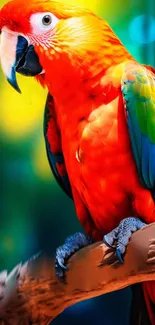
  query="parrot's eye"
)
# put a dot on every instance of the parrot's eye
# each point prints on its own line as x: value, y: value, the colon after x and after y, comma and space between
x: 43, y: 22
x: 47, y: 20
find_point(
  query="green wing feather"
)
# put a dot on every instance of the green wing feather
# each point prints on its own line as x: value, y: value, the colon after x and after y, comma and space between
x: 138, y: 89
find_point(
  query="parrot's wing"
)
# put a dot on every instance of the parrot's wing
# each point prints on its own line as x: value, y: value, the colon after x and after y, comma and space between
x: 55, y: 157
x: 138, y: 89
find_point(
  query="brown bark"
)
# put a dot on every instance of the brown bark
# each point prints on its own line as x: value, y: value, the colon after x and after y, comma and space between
x: 32, y: 294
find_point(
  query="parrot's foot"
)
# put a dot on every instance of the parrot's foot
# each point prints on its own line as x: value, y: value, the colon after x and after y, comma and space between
x: 119, y: 238
x: 72, y: 244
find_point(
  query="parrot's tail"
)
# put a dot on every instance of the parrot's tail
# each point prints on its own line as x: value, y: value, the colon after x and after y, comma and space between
x: 149, y: 294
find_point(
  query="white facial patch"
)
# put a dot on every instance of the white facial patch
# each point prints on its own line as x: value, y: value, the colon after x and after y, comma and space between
x: 8, y: 46
x: 37, y: 23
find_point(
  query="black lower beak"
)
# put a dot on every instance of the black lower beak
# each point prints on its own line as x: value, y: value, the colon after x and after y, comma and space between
x: 26, y: 63
x: 27, y: 60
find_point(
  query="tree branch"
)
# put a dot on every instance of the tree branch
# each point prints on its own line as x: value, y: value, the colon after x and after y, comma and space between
x: 32, y: 294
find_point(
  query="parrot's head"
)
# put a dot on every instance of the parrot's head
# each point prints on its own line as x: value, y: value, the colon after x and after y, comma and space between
x: 54, y: 42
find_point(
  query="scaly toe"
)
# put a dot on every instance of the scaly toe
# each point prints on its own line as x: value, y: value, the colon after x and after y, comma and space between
x: 120, y: 236
x: 72, y: 244
x: 111, y: 238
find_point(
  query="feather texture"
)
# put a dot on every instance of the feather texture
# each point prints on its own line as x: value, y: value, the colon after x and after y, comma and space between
x: 138, y: 88
x: 55, y: 157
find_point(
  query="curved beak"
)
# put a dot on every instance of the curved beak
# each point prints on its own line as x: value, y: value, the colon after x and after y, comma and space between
x: 17, y: 55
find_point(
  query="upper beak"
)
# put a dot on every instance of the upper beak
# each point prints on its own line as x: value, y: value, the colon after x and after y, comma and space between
x: 17, y: 55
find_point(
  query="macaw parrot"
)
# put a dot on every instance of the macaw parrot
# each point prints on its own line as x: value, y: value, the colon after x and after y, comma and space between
x: 99, y: 118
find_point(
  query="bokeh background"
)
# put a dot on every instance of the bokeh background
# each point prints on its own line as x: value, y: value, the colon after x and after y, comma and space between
x: 34, y: 213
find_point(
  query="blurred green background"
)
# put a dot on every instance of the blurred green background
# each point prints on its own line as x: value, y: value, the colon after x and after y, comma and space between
x: 34, y: 213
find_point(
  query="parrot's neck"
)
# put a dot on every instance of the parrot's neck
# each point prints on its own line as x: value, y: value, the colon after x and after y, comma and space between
x: 74, y: 76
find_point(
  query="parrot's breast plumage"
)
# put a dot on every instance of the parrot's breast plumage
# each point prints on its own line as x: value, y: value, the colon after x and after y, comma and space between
x: 99, y: 160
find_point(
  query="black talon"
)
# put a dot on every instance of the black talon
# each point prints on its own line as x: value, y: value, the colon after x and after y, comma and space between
x: 119, y: 256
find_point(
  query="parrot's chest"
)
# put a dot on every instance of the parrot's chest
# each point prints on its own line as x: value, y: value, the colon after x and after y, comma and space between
x: 100, y: 164
x: 99, y: 160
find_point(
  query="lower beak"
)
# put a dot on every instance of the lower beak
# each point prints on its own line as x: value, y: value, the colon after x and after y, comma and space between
x: 17, y: 56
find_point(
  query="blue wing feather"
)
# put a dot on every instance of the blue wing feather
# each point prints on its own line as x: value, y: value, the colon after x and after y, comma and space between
x: 152, y: 165
x: 145, y: 161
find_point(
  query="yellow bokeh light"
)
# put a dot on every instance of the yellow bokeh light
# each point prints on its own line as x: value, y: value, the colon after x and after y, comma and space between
x: 20, y: 113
